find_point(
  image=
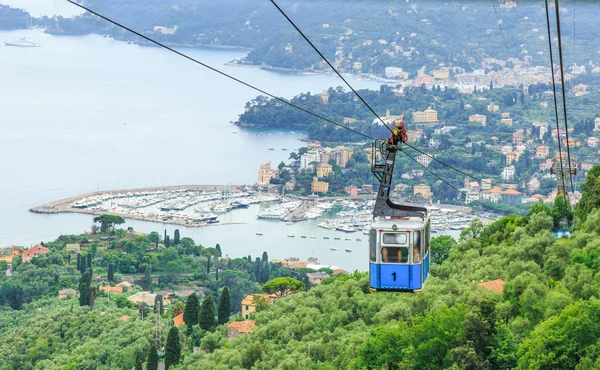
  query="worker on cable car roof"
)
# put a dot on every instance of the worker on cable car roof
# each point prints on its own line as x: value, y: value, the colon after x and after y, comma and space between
x: 399, y: 132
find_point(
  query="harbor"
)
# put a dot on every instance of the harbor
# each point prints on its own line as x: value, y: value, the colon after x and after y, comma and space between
x: 205, y: 205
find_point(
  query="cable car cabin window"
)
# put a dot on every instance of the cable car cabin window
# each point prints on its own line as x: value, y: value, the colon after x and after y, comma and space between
x: 373, y: 245
x: 394, y: 255
x: 416, y: 246
x: 395, y: 238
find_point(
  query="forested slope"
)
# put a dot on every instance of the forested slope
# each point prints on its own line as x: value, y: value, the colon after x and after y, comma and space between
x: 58, y: 334
x: 546, y: 318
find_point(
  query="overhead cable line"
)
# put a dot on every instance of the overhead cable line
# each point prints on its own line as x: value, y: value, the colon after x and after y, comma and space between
x: 554, y: 95
x: 564, y: 97
x: 329, y: 63
x: 357, y: 94
x: 574, y: 35
x: 221, y: 72
x: 443, y: 163
x: 500, y: 26
x: 433, y: 173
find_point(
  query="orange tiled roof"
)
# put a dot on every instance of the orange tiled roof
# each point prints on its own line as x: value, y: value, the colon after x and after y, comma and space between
x: 124, y: 318
x: 178, y: 320
x: 114, y: 289
x: 494, y: 285
x: 243, y: 326
x: 511, y: 192
x: 38, y: 248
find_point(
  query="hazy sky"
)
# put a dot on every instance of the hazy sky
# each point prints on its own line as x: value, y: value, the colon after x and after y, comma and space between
x: 44, y: 7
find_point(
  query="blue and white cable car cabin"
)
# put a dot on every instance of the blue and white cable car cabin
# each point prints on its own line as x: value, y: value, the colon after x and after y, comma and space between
x: 399, y: 236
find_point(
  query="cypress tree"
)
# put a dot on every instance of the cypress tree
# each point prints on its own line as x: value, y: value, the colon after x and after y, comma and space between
x: 147, y: 280
x: 250, y: 258
x: 264, y: 269
x: 158, y: 304
x: 165, y: 236
x: 89, y: 260
x: 176, y: 237
x: 207, y: 313
x: 224, y: 306
x: 218, y: 248
x: 173, y: 348
x: 167, y: 241
x: 111, y: 272
x: 79, y: 262
x: 257, y: 269
x: 191, y: 311
x: 208, y: 264
x: 138, y: 362
x: 83, y: 294
x: 152, y: 361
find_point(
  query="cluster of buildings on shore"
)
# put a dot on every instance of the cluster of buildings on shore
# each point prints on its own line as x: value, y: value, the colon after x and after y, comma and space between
x: 317, y: 160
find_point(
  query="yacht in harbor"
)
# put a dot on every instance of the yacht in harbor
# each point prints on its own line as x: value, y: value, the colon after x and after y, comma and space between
x: 22, y: 43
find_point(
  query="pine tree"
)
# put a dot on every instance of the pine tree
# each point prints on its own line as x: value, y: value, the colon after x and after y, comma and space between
x: 224, y: 306
x: 176, y: 237
x: 191, y: 310
x: 207, y: 313
x: 173, y: 348
x: 158, y: 304
x: 167, y: 241
x: 152, y: 361
x: 111, y: 272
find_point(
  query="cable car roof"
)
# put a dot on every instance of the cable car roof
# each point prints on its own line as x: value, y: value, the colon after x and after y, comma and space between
x: 406, y: 223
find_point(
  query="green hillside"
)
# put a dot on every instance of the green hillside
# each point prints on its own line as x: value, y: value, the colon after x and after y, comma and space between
x: 546, y: 318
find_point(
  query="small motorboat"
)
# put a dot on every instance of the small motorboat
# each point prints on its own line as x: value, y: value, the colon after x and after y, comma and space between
x: 348, y: 250
x: 333, y: 248
x: 291, y: 236
x: 259, y: 233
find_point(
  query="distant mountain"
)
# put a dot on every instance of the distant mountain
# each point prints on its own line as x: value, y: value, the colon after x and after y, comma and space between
x: 360, y: 36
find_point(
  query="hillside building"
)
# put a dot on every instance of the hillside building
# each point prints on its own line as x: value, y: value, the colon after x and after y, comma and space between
x: 266, y: 173
x: 319, y: 186
x: 478, y: 118
x: 35, y: 251
x: 427, y: 116
x: 423, y: 190
x: 324, y: 170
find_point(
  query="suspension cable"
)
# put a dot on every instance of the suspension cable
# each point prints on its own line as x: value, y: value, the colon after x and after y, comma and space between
x: 329, y: 63
x: 500, y: 26
x: 357, y: 94
x: 443, y: 163
x: 554, y: 94
x: 221, y: 72
x: 433, y: 173
x: 564, y: 97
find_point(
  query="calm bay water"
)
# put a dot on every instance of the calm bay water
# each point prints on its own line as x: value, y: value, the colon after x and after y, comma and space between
x: 87, y: 113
